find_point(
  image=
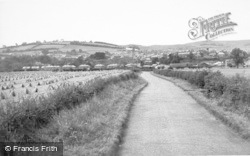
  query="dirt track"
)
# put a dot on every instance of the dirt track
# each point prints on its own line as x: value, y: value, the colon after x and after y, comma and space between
x: 166, y: 121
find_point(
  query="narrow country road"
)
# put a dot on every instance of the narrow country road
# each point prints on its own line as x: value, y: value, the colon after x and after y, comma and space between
x: 166, y: 121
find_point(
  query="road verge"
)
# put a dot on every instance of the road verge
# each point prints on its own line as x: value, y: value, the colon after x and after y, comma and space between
x: 238, y: 123
x: 95, y: 127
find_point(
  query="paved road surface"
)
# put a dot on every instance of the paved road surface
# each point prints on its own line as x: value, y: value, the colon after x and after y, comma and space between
x: 167, y: 121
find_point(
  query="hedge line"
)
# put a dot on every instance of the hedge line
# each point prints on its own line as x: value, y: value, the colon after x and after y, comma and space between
x: 233, y: 92
x: 19, y: 121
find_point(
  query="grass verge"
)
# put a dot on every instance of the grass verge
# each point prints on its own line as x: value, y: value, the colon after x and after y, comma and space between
x: 239, y: 123
x: 95, y: 127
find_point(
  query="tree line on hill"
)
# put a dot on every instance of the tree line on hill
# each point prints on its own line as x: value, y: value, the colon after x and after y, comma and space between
x: 95, y: 44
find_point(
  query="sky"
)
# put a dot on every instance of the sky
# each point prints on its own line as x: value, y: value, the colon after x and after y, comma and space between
x: 143, y: 22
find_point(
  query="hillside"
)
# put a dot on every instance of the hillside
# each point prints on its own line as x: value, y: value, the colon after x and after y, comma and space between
x: 62, y: 47
x: 92, y: 47
x: 218, y: 45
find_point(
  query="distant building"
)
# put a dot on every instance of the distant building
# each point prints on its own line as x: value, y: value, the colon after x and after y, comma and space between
x: 84, y: 67
x: 35, y: 67
x: 50, y: 67
x: 112, y: 66
x: 26, y: 68
x: 183, y: 54
x: 129, y: 49
x: 212, y: 53
x: 221, y: 54
x: 68, y: 67
x: 99, y: 67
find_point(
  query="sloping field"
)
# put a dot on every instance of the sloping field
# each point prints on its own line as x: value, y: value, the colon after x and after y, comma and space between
x: 49, y: 46
x: 232, y: 71
x: 219, y: 45
x: 26, y: 47
x: 86, y: 48
x: 23, y: 47
x: 28, y: 52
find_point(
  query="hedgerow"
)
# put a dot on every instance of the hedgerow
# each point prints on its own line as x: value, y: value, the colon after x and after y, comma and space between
x: 234, y: 92
x: 196, y: 78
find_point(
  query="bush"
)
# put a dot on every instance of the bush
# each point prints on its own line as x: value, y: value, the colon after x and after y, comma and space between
x: 13, y: 94
x: 237, y: 93
x: 2, y: 96
x: 196, y: 78
x: 27, y: 91
x: 215, y: 84
x: 200, y: 78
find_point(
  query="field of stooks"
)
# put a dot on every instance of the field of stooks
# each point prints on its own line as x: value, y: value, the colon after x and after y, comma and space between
x: 17, y: 86
x: 48, y: 106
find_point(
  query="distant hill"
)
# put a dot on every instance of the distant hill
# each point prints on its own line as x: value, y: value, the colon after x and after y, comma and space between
x: 218, y: 45
x: 68, y: 46
x: 92, y: 47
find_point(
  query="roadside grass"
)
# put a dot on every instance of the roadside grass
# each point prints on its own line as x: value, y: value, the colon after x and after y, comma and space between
x: 219, y: 106
x: 95, y: 127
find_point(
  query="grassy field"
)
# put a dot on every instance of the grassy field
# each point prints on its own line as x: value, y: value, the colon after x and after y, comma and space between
x: 89, y: 49
x: 233, y: 71
x: 219, y: 45
x: 48, y: 46
x: 24, y: 47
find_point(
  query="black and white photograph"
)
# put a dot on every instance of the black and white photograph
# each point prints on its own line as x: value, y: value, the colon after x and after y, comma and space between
x: 124, y: 77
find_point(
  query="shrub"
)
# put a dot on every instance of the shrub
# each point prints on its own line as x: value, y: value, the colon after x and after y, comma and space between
x: 215, y: 84
x: 196, y: 78
x: 237, y: 92
x: 200, y: 78
x: 27, y: 91
x: 2, y: 96
x: 13, y: 94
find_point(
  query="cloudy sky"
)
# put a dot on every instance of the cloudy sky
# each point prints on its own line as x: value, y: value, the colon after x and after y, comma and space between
x: 145, y: 22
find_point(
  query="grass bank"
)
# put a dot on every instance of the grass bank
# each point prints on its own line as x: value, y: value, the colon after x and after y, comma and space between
x: 95, y: 127
x: 221, y: 96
